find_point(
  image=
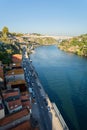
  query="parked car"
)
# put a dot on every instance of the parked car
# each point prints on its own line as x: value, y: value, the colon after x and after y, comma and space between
x: 45, y: 101
x: 48, y: 108
x: 33, y: 94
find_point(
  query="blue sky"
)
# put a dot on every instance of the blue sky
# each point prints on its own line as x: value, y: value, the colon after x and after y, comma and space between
x: 54, y: 17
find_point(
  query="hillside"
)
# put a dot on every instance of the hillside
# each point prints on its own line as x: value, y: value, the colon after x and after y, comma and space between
x: 9, y: 45
x: 77, y: 45
x: 46, y: 40
x: 7, y: 50
x: 43, y: 40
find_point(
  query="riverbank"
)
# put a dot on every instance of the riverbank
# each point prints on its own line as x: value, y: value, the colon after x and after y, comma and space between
x: 63, y: 76
x: 57, y: 121
x: 76, y: 45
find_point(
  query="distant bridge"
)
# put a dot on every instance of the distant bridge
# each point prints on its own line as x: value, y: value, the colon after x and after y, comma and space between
x: 43, y: 36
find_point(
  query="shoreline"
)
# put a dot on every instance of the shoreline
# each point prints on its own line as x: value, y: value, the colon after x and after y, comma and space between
x: 58, y: 120
x: 70, y: 52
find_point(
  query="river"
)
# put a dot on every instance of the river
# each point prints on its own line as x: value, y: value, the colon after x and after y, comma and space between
x: 64, y: 78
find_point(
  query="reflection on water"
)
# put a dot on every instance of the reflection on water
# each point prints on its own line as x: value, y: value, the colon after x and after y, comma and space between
x: 63, y: 76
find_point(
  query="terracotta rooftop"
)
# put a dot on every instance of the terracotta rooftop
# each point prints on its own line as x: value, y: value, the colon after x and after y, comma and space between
x: 25, y: 126
x: 14, y: 104
x: 14, y: 116
x: 15, y: 65
x: 17, y: 82
x: 25, y: 97
x: 1, y: 68
x: 26, y: 104
x: 17, y: 55
x: 10, y: 93
x: 17, y: 58
x: 15, y: 72
x: 25, y: 93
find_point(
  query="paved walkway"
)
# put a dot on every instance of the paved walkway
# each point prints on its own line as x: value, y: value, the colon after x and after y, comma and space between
x: 56, y: 124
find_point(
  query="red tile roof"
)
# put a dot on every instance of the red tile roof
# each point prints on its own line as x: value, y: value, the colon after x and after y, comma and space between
x: 15, y: 72
x: 26, y: 104
x: 10, y: 94
x: 24, y: 97
x: 25, y: 92
x: 14, y: 104
x: 13, y: 117
x: 17, y: 82
x: 15, y: 65
x: 25, y: 126
x: 17, y: 58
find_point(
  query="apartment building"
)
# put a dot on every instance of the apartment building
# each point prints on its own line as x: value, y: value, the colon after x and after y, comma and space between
x: 12, y: 99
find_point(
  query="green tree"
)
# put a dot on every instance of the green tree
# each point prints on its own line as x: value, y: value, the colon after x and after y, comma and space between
x: 5, y: 30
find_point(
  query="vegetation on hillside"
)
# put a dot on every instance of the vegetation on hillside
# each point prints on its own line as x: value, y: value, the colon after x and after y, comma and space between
x: 43, y: 40
x: 46, y: 40
x: 9, y: 43
x: 4, y: 35
x: 77, y: 45
x: 37, y: 34
x: 7, y: 50
x: 8, y: 46
x: 8, y: 37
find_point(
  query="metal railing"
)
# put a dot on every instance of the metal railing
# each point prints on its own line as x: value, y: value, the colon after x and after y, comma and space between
x: 58, y: 114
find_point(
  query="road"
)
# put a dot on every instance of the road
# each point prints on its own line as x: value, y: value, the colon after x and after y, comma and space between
x: 31, y: 80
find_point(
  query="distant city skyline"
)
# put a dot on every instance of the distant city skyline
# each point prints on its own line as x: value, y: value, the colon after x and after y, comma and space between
x: 52, y: 17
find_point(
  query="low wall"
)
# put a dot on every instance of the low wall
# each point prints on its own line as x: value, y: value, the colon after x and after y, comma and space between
x: 58, y: 114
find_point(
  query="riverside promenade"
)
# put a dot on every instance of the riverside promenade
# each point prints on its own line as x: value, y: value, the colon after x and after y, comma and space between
x: 57, y: 120
x: 49, y: 117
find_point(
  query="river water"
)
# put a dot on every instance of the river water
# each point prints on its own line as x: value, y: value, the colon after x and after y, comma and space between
x: 64, y: 78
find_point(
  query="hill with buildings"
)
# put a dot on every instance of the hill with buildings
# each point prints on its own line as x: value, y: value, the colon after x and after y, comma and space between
x: 10, y: 43
x: 76, y: 45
